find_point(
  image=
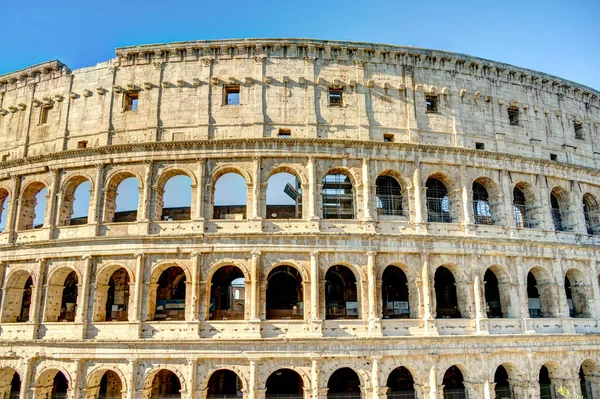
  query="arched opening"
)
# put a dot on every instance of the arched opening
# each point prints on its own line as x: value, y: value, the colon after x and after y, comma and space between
x: 389, y: 197
x: 394, y: 292
x: 33, y: 206
x: 230, y: 197
x: 227, y: 294
x: 587, y: 374
x: 343, y: 383
x: 175, y: 199
x: 438, y: 202
x: 541, y: 292
x: 284, y: 197
x: 60, y: 386
x: 400, y: 384
x: 492, y: 295
x: 75, y: 202
x: 284, y: 294
x: 591, y: 214
x: 558, y: 213
x: 445, y: 294
x: 224, y: 384
x: 482, y: 209
x: 285, y: 383
x: 522, y: 210
x: 68, y: 303
x: 546, y: 387
x: 170, y: 295
x: 502, y: 389
x: 453, y: 382
x: 577, y: 293
x: 4, y: 201
x: 110, y: 386
x: 126, y: 199
x: 10, y: 383
x: 165, y: 385
x: 341, y: 297
x: 117, y: 298
x: 15, y: 386
x: 338, y: 197
x: 17, y: 297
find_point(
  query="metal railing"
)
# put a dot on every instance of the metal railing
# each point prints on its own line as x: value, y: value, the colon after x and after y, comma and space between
x: 226, y: 396
x: 455, y: 393
x: 482, y: 212
x: 401, y: 395
x: 558, y: 219
x: 523, y: 216
x: 343, y: 395
x: 503, y: 392
x: 592, y: 222
x: 390, y: 205
x: 586, y: 390
x: 438, y: 210
x: 547, y: 391
x: 284, y: 396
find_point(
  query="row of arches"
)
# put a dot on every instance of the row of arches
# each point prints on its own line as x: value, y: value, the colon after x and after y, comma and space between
x: 344, y: 382
x: 228, y: 299
x: 176, y: 192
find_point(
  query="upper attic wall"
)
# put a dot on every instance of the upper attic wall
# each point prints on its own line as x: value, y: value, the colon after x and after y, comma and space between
x: 285, y: 83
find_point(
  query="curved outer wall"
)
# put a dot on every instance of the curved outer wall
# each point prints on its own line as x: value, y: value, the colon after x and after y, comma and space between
x: 382, y: 127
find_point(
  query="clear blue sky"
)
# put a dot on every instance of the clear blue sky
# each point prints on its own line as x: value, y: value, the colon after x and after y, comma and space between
x: 558, y: 37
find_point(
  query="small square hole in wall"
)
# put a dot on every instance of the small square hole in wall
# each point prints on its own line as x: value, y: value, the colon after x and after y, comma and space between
x: 578, y: 127
x: 335, y: 97
x: 553, y: 157
x: 130, y: 101
x: 513, y: 116
x: 231, y: 95
x: 388, y: 137
x: 284, y: 132
x: 82, y: 144
x: 479, y: 146
x: 5, y: 157
x: 432, y: 104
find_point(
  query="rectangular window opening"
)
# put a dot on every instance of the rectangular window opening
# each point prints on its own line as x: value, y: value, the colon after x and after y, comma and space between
x: 82, y: 144
x: 130, y: 101
x: 479, y: 146
x: 285, y: 132
x: 553, y: 157
x: 578, y: 127
x: 5, y: 157
x: 432, y: 104
x: 232, y: 95
x: 388, y: 137
x: 335, y: 97
x: 44, y: 113
x: 513, y: 116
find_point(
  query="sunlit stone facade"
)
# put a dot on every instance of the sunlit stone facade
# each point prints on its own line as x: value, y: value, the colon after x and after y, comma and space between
x: 445, y: 241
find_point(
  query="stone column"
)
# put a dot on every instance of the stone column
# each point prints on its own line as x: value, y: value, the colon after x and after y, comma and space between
x: 428, y: 311
x: 312, y: 195
x: 315, y: 319
x: 314, y: 378
x: 368, y: 216
x: 136, y: 315
x: 374, y: 318
x: 253, y: 382
x: 26, y: 392
x: 255, y: 276
x: 12, y: 213
x: 199, y: 200
x: 576, y: 208
x: 52, y: 203
x: 146, y: 198
x: 84, y: 294
x: 507, y: 199
x: 544, y: 215
x: 96, y: 196
x: 192, y: 380
x: 256, y: 188
x: 418, y: 194
x: 195, y: 298
x: 375, y: 376
x: 466, y: 202
x: 36, y: 300
x: 132, y: 386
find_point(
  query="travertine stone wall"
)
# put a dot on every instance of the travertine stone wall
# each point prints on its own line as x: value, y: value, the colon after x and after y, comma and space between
x: 383, y: 128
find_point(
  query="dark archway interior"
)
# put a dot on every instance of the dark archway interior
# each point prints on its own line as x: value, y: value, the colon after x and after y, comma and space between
x: 284, y: 294
x: 453, y: 380
x: 165, y: 385
x: 286, y: 382
x: 502, y: 385
x: 26, y: 301
x: 69, y: 298
x: 569, y: 295
x: 586, y: 387
x: 546, y: 390
x: 438, y: 202
x: 341, y: 293
x: 481, y: 205
x: 110, y: 386
x: 394, y: 291
x: 170, y: 295
x: 401, y: 380
x: 117, y: 296
x: 556, y: 213
x: 389, y: 196
x: 492, y: 295
x: 15, y: 386
x: 445, y: 294
x: 344, y: 380
x: 224, y: 384
x: 227, y: 294
x: 60, y: 386
x: 533, y: 296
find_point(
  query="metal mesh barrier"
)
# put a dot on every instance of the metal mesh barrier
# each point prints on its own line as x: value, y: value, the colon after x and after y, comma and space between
x: 401, y: 395
x: 503, y: 392
x: 338, y: 197
x: 547, y: 391
x: 389, y: 197
x: 455, y: 394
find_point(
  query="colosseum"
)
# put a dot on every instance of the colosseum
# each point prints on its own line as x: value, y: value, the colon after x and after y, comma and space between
x: 298, y: 219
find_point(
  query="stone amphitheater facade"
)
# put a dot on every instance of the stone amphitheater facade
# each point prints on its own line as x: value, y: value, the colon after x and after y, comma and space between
x: 492, y: 174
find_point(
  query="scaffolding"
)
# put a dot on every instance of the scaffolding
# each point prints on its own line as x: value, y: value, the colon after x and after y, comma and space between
x: 338, y: 197
x: 389, y: 197
x: 438, y: 202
